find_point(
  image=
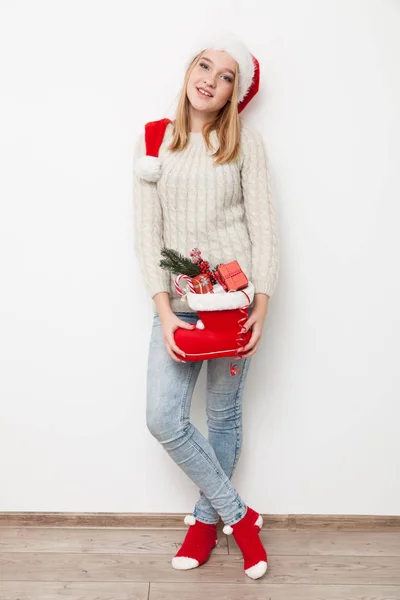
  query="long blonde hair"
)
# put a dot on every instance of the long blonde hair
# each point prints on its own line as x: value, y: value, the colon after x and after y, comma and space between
x: 227, y: 123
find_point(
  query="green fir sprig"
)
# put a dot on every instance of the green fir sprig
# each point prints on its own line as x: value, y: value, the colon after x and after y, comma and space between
x: 176, y: 263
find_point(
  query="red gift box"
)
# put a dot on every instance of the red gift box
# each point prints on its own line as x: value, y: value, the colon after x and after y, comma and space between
x: 202, y: 284
x: 231, y: 277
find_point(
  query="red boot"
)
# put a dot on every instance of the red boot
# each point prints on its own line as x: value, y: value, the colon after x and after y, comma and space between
x: 246, y: 536
x: 200, y: 539
x: 219, y: 331
x: 218, y: 338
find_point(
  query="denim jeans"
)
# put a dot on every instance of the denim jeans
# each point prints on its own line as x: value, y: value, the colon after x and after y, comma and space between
x: 209, y: 463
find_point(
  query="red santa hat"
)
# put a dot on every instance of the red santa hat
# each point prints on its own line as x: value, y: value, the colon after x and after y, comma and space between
x: 249, y: 68
x: 148, y: 167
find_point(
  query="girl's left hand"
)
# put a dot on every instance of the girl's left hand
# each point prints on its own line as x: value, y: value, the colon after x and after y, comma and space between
x: 255, y: 322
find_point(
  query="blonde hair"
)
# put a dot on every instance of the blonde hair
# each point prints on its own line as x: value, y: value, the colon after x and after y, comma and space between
x: 227, y: 123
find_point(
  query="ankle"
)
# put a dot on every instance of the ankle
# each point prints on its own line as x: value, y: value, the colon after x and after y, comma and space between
x: 249, y: 518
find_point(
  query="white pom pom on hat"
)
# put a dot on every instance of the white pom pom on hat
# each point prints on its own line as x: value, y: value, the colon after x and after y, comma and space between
x: 148, y: 167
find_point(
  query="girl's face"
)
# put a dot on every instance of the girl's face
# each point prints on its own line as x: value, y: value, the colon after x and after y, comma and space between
x: 214, y: 73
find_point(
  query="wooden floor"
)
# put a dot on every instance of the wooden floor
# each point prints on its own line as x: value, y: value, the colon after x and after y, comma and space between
x: 85, y: 563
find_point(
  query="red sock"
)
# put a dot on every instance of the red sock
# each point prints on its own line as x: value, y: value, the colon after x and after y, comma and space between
x: 246, y: 536
x: 200, y: 539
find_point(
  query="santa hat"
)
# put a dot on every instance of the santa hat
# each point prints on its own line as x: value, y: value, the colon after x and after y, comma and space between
x: 249, y: 68
x: 148, y: 167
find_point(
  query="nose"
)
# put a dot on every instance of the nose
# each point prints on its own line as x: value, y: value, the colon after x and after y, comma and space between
x: 210, y: 81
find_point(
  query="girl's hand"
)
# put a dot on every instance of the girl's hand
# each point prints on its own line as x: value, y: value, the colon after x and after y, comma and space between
x: 170, y: 323
x: 255, y: 322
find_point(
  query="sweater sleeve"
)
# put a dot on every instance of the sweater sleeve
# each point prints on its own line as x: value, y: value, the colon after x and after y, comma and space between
x: 260, y: 212
x: 148, y: 228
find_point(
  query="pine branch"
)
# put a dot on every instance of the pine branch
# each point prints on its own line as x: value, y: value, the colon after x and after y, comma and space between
x: 176, y: 263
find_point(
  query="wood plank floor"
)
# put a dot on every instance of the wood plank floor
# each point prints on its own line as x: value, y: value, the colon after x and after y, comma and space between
x: 85, y: 563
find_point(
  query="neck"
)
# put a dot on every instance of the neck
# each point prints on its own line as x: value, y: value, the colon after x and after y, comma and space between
x: 198, y: 119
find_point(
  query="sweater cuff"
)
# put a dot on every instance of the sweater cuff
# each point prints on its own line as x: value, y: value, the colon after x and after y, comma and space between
x: 263, y: 286
x: 156, y: 285
x: 158, y: 292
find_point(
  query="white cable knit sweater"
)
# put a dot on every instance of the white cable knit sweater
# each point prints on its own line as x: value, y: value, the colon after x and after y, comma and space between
x: 225, y: 210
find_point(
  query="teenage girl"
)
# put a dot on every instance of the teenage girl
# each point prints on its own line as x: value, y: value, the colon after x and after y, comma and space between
x: 209, y: 189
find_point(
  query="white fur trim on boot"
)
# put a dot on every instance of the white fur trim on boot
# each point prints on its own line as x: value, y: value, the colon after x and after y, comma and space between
x: 220, y: 299
x: 184, y: 563
x: 148, y: 168
x: 259, y: 522
x: 200, y: 324
x: 257, y: 571
x: 189, y: 520
x: 227, y: 530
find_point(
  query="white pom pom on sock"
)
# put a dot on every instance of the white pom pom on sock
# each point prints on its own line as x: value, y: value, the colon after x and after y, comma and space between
x: 227, y: 530
x: 190, y: 520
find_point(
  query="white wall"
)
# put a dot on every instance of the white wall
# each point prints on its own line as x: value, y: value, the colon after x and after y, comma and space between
x: 322, y: 408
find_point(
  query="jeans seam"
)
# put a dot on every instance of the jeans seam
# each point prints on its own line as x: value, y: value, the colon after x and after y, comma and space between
x: 236, y: 455
x: 238, y: 516
x: 205, y: 456
x: 189, y: 439
x: 239, y: 391
x: 189, y: 379
x: 196, y: 513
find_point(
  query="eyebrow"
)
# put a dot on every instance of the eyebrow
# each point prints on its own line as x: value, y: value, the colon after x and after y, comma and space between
x: 209, y: 60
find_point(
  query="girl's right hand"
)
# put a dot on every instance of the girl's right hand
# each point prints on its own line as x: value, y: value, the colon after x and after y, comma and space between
x: 170, y: 323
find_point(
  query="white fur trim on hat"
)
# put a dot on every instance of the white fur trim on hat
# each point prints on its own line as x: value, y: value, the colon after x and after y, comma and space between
x: 220, y: 299
x: 148, y: 168
x: 231, y: 44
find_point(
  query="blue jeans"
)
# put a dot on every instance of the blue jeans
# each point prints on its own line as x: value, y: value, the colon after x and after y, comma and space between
x: 209, y: 463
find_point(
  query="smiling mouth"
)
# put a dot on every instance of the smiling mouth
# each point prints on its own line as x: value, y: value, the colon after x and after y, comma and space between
x: 203, y: 93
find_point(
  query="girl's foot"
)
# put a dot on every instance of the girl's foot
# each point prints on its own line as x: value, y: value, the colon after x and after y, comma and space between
x: 200, y: 539
x: 246, y: 536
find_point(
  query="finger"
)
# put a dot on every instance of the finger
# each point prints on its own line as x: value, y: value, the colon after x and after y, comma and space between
x: 249, y: 323
x: 172, y: 354
x: 174, y: 347
x: 185, y: 325
x: 252, y: 342
x: 253, y: 351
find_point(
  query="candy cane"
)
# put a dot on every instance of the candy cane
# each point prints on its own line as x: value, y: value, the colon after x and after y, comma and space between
x: 188, y: 282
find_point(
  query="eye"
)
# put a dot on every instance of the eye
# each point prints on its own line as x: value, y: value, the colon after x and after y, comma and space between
x: 227, y: 78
